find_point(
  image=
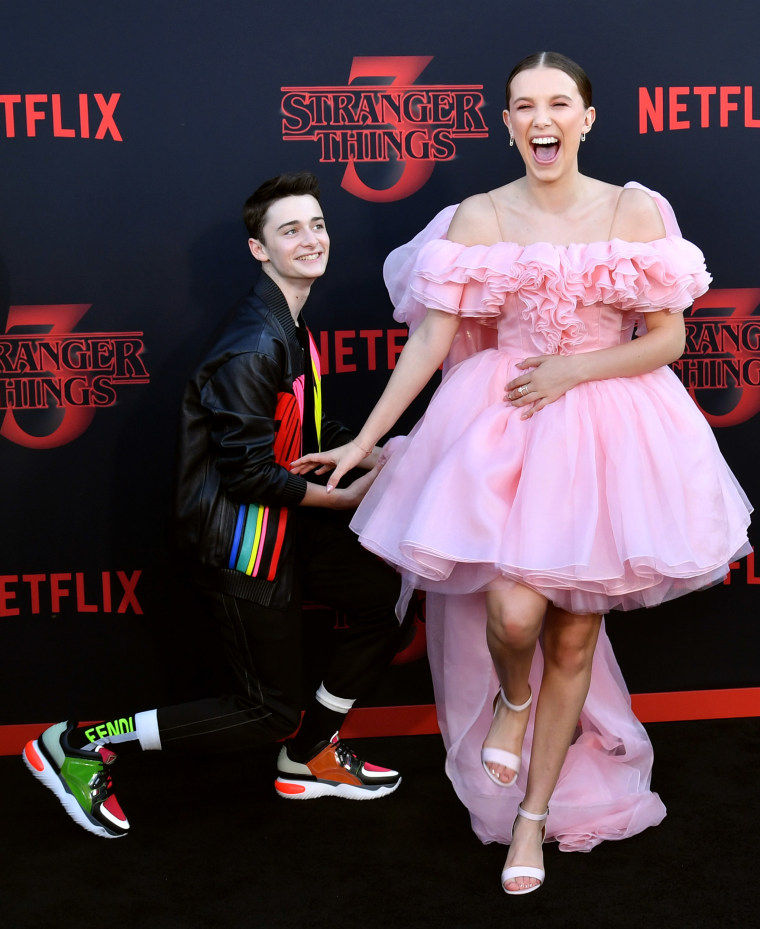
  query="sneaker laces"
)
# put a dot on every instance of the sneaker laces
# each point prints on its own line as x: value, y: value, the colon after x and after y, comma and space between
x: 101, y: 783
x: 346, y: 757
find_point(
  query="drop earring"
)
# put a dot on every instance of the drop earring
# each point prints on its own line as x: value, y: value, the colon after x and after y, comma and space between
x: 511, y: 140
x: 583, y: 137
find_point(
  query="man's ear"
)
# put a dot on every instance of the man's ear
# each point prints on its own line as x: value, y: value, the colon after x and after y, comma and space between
x: 258, y: 250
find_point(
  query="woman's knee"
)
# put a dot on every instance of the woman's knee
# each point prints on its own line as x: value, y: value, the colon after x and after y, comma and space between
x: 569, y: 644
x: 515, y: 621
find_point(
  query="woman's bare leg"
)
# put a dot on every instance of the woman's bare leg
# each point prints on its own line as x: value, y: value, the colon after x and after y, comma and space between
x: 569, y: 641
x: 515, y: 617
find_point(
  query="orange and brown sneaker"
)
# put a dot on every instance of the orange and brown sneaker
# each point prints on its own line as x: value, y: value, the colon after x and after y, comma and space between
x: 335, y: 771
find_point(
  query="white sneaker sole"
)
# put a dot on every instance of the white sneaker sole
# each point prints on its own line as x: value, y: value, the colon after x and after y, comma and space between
x: 309, y: 790
x: 41, y: 768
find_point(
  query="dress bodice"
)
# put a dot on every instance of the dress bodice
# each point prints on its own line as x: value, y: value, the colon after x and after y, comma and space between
x: 597, y: 325
x: 559, y: 299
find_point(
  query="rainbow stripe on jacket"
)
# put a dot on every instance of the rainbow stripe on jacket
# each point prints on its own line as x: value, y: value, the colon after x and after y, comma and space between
x: 260, y: 530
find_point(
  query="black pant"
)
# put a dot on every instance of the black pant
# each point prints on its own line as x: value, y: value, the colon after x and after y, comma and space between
x: 264, y: 646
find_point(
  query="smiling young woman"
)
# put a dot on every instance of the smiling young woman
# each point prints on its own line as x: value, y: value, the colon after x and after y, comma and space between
x: 577, y: 474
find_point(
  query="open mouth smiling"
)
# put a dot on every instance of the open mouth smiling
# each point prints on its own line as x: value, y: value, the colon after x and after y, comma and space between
x: 545, y: 148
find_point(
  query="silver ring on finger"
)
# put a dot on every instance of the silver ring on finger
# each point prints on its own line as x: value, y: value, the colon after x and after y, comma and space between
x: 523, y: 390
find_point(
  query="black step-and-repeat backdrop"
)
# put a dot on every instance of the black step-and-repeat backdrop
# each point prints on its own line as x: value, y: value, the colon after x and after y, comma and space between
x: 130, y: 135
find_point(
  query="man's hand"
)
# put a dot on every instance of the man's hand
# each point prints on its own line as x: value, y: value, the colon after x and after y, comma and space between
x: 349, y: 497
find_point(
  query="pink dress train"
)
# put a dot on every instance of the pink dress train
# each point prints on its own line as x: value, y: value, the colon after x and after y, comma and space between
x: 603, y: 789
x: 614, y: 496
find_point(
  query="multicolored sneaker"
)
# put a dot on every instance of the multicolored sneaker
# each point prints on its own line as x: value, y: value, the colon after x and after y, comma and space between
x: 80, y: 779
x: 335, y: 771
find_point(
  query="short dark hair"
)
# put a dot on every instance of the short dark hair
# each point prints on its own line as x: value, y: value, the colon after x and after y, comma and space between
x: 553, y: 60
x: 296, y: 184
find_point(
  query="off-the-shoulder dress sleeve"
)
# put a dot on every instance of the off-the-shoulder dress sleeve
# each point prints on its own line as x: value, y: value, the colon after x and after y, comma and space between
x: 666, y: 274
x: 400, y: 265
x: 401, y: 272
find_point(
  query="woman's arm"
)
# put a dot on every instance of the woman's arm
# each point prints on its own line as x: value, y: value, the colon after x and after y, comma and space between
x: 420, y: 359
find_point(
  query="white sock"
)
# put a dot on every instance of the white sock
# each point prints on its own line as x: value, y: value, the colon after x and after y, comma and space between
x: 146, y: 725
x: 337, y: 704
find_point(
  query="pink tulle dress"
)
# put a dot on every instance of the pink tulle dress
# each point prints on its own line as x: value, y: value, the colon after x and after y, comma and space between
x: 615, y: 496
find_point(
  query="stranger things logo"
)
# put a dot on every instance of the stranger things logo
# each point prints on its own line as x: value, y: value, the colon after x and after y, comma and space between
x: 720, y: 366
x: 389, y: 131
x: 52, y: 379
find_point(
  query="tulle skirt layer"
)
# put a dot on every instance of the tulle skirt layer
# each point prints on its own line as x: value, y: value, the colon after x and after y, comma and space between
x: 614, y: 496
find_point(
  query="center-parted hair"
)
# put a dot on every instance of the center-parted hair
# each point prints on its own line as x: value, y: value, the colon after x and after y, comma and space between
x: 553, y: 60
x: 297, y: 184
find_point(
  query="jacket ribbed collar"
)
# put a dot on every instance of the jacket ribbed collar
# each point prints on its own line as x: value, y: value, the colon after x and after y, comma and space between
x: 274, y: 298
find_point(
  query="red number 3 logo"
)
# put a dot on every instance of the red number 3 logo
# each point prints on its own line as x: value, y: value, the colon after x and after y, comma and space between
x: 50, y: 426
x: 404, y: 70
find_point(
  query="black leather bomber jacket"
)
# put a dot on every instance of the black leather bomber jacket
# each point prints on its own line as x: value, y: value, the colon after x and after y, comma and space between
x: 247, y: 412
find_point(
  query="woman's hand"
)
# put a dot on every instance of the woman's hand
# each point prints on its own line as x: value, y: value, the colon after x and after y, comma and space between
x: 547, y: 378
x: 338, y: 460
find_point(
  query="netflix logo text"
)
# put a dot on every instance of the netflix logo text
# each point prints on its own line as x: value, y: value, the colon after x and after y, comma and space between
x: 62, y: 116
x: 704, y: 107
x: 343, y: 351
x: 77, y: 591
